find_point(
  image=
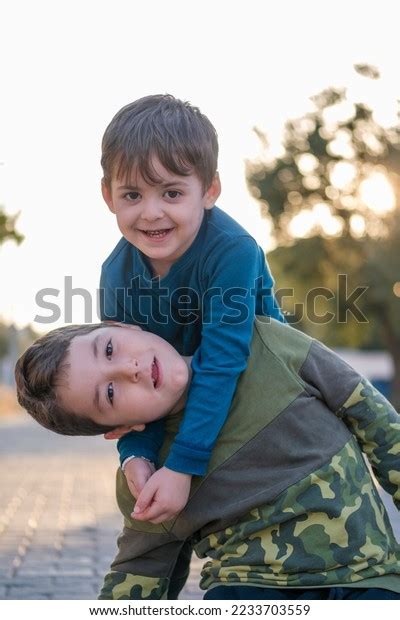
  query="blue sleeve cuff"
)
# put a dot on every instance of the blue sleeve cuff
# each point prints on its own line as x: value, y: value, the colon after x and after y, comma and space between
x: 188, y: 460
x: 146, y: 443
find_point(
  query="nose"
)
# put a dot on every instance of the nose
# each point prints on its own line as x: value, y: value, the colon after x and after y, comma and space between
x: 151, y: 210
x: 130, y: 369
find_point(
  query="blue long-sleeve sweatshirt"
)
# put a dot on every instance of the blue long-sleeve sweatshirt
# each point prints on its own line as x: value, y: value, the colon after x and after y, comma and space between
x: 204, y: 306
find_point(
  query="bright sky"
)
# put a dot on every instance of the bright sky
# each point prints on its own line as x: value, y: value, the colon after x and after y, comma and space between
x: 68, y: 66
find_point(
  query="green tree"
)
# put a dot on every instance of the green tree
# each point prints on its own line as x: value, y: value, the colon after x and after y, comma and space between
x: 7, y: 232
x: 4, y: 343
x: 7, y: 228
x: 333, y: 200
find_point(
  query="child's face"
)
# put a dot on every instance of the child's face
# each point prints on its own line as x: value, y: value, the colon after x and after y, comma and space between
x: 122, y: 376
x: 160, y: 220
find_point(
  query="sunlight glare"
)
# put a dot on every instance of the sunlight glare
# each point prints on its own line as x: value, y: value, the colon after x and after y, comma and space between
x: 307, y: 163
x: 330, y: 224
x: 301, y: 224
x: 377, y: 193
x: 319, y: 217
x: 357, y: 225
x: 338, y: 113
x: 341, y: 145
x: 342, y: 174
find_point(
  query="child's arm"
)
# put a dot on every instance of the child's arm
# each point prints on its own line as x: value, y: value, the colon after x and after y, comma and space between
x: 376, y: 425
x: 229, y: 309
x: 367, y: 413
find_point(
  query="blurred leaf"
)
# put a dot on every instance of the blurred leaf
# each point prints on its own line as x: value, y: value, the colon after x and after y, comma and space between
x: 368, y: 71
x: 7, y: 228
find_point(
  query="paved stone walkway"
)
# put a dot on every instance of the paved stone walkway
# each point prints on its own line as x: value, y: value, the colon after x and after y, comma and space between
x: 58, y: 517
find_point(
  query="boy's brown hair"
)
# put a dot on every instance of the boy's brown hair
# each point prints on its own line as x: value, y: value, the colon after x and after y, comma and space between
x: 37, y: 375
x: 161, y: 126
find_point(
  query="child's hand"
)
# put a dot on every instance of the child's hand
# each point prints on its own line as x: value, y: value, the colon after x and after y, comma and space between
x: 164, y: 495
x: 137, y: 472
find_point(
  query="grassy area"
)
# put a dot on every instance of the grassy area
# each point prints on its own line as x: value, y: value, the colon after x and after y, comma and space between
x: 8, y: 401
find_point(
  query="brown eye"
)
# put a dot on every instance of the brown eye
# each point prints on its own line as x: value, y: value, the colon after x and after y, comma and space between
x: 110, y: 392
x: 132, y: 196
x: 109, y: 349
x: 172, y: 194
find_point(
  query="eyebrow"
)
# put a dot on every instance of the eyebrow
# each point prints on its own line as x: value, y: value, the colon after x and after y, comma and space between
x: 163, y: 185
x: 96, y: 397
x: 94, y: 345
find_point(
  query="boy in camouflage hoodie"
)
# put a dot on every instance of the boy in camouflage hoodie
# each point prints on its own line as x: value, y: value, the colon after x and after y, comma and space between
x: 288, y: 508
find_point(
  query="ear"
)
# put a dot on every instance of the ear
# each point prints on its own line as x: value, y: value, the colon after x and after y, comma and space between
x: 106, y: 191
x: 212, y: 194
x: 120, y: 431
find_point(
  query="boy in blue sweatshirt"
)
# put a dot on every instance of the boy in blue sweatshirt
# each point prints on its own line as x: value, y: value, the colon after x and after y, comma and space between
x: 183, y: 270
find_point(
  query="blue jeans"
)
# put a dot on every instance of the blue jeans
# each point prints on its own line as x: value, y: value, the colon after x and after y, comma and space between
x: 329, y: 594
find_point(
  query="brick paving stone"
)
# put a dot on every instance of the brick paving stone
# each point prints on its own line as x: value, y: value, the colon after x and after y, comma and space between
x: 51, y: 571
x: 85, y: 596
x: 30, y: 583
x: 20, y: 592
x: 66, y: 590
x: 27, y: 596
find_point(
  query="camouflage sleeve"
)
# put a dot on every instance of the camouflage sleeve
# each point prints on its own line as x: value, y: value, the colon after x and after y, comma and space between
x: 376, y: 424
x: 145, y: 567
x: 368, y: 415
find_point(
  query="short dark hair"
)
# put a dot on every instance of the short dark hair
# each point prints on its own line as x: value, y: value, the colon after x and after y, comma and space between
x: 177, y: 133
x: 37, y: 373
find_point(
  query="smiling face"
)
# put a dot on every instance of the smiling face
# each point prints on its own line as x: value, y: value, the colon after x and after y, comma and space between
x: 161, y: 220
x: 121, y: 375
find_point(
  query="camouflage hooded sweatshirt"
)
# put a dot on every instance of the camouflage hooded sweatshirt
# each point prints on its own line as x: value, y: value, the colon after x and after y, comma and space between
x: 288, y: 500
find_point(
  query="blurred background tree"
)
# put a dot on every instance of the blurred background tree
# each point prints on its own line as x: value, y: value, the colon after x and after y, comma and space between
x: 333, y: 202
x: 4, y: 343
x: 7, y: 228
x: 7, y: 232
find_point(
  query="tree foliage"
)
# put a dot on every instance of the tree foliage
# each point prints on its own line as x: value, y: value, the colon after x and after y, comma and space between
x: 4, y: 342
x: 7, y: 232
x: 333, y: 199
x: 7, y: 228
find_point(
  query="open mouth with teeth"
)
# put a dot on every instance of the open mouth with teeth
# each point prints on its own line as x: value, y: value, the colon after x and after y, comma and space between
x: 155, y: 373
x: 157, y: 235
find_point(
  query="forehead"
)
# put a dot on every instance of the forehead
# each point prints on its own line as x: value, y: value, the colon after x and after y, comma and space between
x: 150, y: 171
x: 86, y: 346
x: 86, y: 341
x: 78, y: 374
x: 130, y: 335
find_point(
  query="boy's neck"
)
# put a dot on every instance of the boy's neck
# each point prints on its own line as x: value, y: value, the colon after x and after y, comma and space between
x: 182, y: 401
x: 159, y: 268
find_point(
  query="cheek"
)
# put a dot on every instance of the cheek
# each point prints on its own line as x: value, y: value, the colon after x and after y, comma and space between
x: 178, y: 382
x: 127, y: 213
x: 126, y: 223
x: 186, y: 223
